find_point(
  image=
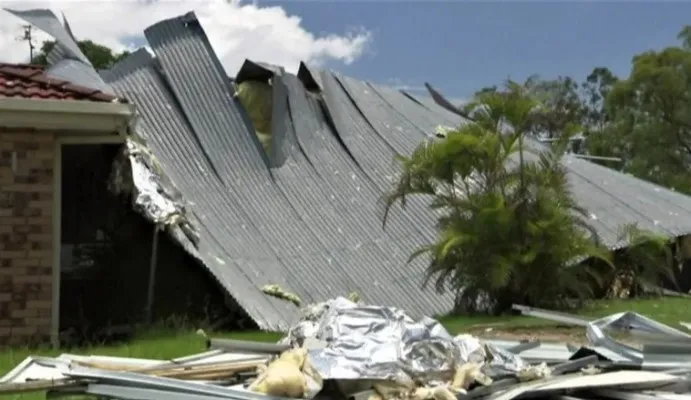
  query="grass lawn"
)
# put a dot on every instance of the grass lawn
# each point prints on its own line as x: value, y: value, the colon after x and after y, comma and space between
x: 167, y: 345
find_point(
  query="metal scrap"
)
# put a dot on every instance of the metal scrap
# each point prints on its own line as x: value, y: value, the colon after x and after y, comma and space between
x: 340, y: 348
x: 384, y: 343
x: 630, y: 322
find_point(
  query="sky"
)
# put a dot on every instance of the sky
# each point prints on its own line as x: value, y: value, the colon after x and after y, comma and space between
x: 457, y: 46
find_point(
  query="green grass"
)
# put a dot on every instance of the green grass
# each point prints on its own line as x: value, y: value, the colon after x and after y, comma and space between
x: 668, y: 310
x: 167, y: 345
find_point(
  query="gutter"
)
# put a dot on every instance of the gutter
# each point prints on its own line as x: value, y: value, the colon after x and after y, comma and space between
x: 79, y: 117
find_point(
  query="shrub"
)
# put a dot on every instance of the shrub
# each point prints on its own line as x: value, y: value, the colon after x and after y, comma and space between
x: 643, y: 266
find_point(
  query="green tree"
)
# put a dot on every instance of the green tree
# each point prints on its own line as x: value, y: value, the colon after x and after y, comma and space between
x: 594, y: 91
x: 649, y: 116
x: 560, y: 106
x: 101, y: 57
x: 685, y: 36
x: 507, y: 223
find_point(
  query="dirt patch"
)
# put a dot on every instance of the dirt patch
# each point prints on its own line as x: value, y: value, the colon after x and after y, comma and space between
x: 560, y: 334
x: 575, y: 335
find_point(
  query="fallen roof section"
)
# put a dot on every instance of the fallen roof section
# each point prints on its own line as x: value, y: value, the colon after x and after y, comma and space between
x: 230, y: 246
x: 310, y: 222
x: 307, y: 217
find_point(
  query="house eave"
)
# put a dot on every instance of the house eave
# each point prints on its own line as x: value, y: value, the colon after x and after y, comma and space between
x: 77, y: 117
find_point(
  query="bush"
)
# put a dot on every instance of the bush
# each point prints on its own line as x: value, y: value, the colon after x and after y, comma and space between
x: 509, y: 229
x: 643, y: 266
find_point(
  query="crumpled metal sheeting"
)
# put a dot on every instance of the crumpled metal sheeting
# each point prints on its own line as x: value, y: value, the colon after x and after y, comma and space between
x: 46, y: 21
x: 67, y: 62
x: 373, y: 342
x: 153, y: 194
x: 634, y: 323
x: 131, y: 379
x: 501, y: 363
x: 630, y: 322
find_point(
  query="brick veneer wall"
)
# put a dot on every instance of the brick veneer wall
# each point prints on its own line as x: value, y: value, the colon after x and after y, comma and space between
x: 26, y: 231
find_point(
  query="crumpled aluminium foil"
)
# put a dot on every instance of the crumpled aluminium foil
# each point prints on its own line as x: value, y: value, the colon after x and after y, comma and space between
x: 373, y: 342
x: 153, y: 194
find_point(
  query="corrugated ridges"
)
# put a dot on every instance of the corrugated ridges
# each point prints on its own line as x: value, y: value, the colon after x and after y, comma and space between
x: 231, y: 247
x: 379, y: 260
x: 223, y: 130
x: 615, y: 199
x: 374, y: 156
x: 318, y: 250
x: 339, y: 171
x: 436, y: 110
x: 363, y: 132
x: 409, y: 110
x: 315, y: 203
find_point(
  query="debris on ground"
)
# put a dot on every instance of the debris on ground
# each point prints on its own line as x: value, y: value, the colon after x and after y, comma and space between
x: 340, y: 349
x: 280, y: 293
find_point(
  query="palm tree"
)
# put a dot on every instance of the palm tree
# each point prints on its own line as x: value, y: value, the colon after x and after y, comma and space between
x: 507, y: 222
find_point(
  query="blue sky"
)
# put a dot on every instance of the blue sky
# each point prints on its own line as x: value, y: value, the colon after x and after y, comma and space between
x: 462, y: 46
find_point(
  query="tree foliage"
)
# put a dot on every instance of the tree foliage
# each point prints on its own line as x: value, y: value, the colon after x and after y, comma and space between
x: 649, y: 117
x: 560, y: 107
x: 508, y: 222
x: 101, y: 57
x: 594, y: 92
x: 644, y: 120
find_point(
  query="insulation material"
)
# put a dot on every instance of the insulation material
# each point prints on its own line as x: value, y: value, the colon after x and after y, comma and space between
x: 136, y: 172
x: 257, y: 98
x: 291, y: 375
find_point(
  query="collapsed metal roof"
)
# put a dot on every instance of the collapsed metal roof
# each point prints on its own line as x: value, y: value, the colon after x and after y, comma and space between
x: 308, y: 218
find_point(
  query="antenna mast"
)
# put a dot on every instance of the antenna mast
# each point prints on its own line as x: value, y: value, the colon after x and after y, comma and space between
x: 28, y: 38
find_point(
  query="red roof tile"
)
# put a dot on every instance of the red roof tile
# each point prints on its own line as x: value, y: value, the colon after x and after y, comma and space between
x: 30, y: 81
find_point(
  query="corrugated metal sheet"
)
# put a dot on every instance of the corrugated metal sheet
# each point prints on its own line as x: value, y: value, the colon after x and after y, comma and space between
x: 614, y: 199
x: 436, y: 110
x: 231, y: 247
x: 311, y: 223
x: 307, y: 242
x: 79, y: 73
x: 357, y: 129
x: 357, y: 200
x: 309, y: 217
x: 67, y: 60
x: 46, y: 21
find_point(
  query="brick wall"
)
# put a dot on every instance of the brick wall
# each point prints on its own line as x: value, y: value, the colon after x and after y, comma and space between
x: 26, y: 208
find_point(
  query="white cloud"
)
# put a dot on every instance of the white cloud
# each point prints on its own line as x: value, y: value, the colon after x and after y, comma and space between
x: 237, y: 30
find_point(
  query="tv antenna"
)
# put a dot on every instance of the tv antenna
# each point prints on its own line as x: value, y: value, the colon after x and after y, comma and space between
x: 28, y: 37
